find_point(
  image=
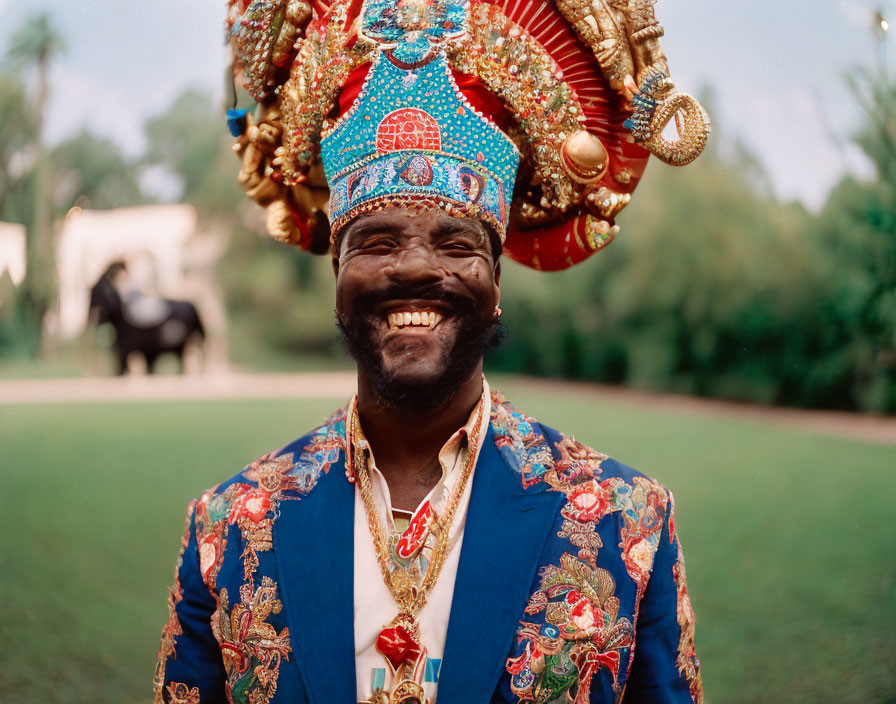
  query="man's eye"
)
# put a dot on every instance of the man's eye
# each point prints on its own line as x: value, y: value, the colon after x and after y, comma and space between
x: 378, y: 243
x: 458, y: 246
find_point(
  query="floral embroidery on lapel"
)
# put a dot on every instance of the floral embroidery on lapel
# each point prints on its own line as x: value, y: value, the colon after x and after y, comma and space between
x: 577, y: 463
x: 321, y: 453
x: 643, y: 507
x: 582, y: 633
x: 524, y: 450
x: 251, y: 648
x: 557, y: 660
x: 253, y: 505
x: 529, y: 453
x: 179, y: 693
x: 584, y: 537
x: 254, y: 508
x: 271, y: 472
x: 641, y: 503
x: 211, y: 533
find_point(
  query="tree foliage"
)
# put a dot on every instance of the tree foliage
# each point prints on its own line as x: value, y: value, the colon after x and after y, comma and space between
x: 857, y: 230
x: 16, y: 144
x: 37, y: 43
x: 91, y: 172
x: 191, y: 141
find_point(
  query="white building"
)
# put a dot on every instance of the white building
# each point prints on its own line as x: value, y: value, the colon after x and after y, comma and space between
x: 12, y: 251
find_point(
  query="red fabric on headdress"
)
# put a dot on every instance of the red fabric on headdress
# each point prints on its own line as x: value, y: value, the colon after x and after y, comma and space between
x: 563, y: 244
x: 351, y: 89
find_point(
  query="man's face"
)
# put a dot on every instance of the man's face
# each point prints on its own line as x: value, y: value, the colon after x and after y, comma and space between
x: 416, y: 293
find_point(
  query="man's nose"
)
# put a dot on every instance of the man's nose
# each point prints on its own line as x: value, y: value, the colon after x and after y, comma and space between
x: 415, y: 262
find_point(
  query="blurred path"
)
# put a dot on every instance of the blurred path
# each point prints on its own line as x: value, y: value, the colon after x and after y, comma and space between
x: 217, y: 386
x: 879, y: 430
x: 340, y: 385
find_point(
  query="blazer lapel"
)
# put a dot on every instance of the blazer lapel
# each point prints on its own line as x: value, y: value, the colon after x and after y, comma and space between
x: 313, y: 542
x: 505, y: 531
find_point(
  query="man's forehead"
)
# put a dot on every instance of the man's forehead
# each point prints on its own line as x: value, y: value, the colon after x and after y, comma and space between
x: 432, y: 222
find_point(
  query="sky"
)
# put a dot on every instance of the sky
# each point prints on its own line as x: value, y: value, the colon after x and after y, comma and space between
x: 776, y: 68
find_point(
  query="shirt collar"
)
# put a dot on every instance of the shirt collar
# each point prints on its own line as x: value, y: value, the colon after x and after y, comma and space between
x: 452, y: 447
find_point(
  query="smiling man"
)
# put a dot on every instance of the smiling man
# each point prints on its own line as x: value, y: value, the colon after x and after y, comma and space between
x: 417, y: 302
x: 429, y: 541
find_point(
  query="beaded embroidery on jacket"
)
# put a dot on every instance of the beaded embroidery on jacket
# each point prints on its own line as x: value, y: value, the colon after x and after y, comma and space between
x: 249, y: 626
x: 578, y: 631
x: 580, y: 627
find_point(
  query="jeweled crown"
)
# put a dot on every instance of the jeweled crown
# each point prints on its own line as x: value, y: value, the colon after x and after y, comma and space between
x: 411, y: 137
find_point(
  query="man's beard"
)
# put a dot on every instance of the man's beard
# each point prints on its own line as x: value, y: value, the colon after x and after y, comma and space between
x: 473, y: 338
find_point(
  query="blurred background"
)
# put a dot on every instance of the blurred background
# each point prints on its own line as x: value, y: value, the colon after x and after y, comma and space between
x: 737, y: 340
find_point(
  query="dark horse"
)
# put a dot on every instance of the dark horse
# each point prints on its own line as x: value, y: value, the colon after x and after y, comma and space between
x: 168, y: 329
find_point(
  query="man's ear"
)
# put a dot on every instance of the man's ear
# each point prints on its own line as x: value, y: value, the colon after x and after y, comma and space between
x: 335, y: 262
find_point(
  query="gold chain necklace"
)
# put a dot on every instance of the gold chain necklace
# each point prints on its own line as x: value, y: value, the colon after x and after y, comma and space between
x: 398, y: 642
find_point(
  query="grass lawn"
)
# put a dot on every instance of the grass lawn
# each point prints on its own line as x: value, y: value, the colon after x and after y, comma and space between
x: 790, y: 539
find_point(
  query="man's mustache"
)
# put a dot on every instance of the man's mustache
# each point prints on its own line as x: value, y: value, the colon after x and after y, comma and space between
x: 366, y: 303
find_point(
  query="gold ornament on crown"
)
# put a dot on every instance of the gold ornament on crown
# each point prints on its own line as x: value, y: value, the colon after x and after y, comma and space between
x: 624, y: 37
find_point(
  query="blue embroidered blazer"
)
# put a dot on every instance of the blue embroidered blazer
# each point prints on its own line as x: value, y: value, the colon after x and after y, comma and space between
x: 570, y: 588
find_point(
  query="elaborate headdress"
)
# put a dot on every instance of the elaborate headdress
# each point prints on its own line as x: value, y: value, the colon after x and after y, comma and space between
x: 537, y: 117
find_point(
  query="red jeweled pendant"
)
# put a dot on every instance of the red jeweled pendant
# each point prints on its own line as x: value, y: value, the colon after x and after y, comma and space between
x: 412, y: 539
x: 398, y: 645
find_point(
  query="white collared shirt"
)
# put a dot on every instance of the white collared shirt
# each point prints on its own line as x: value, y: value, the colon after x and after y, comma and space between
x: 374, y: 606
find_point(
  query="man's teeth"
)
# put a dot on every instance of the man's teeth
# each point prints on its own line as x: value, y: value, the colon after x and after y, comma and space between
x: 416, y: 318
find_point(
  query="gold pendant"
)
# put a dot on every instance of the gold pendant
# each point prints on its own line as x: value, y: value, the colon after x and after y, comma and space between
x: 378, y: 696
x: 407, y: 692
x: 403, y: 588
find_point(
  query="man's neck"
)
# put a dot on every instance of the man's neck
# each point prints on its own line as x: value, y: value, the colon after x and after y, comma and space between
x: 406, y: 443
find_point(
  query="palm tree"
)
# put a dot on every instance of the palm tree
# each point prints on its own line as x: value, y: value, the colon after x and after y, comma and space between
x: 36, y: 43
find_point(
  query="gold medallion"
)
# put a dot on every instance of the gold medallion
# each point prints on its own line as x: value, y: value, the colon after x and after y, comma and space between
x: 402, y: 586
x: 407, y: 692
